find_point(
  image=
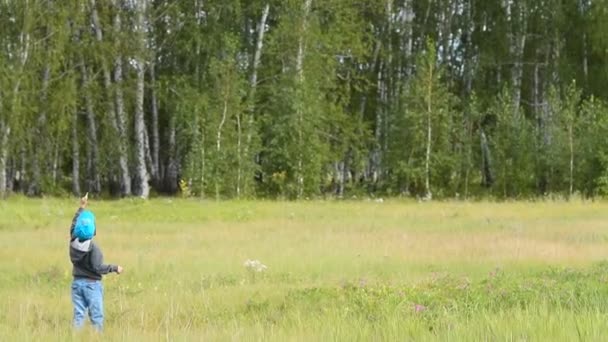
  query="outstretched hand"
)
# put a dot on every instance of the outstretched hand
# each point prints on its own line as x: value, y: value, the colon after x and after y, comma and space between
x: 84, y: 201
x: 119, y: 269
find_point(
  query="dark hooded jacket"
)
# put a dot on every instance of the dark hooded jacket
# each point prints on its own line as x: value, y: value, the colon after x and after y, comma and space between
x: 86, y: 257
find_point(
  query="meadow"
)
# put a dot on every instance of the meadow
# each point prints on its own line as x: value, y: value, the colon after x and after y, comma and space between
x: 336, y: 270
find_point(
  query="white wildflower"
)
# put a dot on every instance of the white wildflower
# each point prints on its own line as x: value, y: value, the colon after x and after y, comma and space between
x: 255, y: 266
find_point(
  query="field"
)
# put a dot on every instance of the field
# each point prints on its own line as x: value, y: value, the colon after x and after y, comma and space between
x: 344, y: 271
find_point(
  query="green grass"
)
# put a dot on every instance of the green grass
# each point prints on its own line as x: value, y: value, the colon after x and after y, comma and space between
x: 341, y: 271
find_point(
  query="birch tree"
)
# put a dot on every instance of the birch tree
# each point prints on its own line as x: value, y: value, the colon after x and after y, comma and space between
x: 15, y: 56
x: 142, y: 188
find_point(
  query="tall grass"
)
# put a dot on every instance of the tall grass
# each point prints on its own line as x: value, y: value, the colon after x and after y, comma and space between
x: 336, y: 270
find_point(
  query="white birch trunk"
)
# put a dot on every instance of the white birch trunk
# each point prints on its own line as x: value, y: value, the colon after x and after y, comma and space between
x: 116, y: 108
x: 218, y: 141
x: 299, y: 113
x: 93, y: 178
x: 362, y: 109
x: 148, y: 151
x: 516, y: 49
x: 123, y: 159
x: 468, y: 64
x: 258, y: 52
x: 409, y: 37
x: 171, y: 176
x: 377, y: 151
x: 340, y: 175
x: 155, y: 150
x: 239, y: 171
x: 203, y: 150
x: 40, y: 137
x: 5, y: 127
x: 429, y: 134
x: 517, y: 72
x: 583, y: 8
x: 388, y: 83
x: 55, y: 165
x: 75, y: 156
x: 467, y: 89
x: 5, y: 132
x: 22, y: 168
x: 253, y: 82
x: 143, y: 189
x: 486, y: 161
x: 107, y: 78
x: 541, y: 127
x: 571, y: 146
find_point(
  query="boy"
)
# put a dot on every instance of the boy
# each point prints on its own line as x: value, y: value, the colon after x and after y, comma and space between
x: 87, y: 259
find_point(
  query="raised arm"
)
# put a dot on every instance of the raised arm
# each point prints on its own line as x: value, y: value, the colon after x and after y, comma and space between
x: 74, y: 222
x: 83, y: 204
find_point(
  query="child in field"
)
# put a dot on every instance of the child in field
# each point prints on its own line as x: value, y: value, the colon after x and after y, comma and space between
x: 87, y: 259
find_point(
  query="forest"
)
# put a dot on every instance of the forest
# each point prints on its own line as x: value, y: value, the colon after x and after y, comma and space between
x: 297, y: 99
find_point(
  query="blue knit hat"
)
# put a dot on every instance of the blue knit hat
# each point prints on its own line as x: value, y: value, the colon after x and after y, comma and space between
x: 85, y: 226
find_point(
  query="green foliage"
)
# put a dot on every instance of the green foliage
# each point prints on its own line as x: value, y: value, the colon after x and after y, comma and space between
x: 344, y: 95
x: 593, y: 125
x: 445, y: 296
x: 513, y: 143
x: 430, y: 110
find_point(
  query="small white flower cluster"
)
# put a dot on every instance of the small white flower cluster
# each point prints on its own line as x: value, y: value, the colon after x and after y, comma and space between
x: 255, y: 266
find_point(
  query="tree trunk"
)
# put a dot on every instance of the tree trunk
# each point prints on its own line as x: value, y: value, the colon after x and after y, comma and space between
x: 93, y: 177
x: 468, y: 74
x: 387, y: 82
x: 23, y: 168
x: 55, y: 166
x: 468, y: 65
x: 408, y: 21
x: 171, y: 173
x: 239, y: 171
x: 147, y: 150
x: 469, y: 152
x: 142, y: 189
x: 583, y: 9
x: 253, y: 82
x: 10, y: 176
x: 376, y: 65
x: 219, y: 134
x: 5, y: 132
x: 120, y: 117
x: 540, y: 128
x: 155, y: 150
x: 429, y: 135
x: 116, y: 107
x: 376, y: 157
x: 487, y: 178
x: 218, y: 141
x: 40, y: 138
x: 339, y: 168
x: 571, y: 146
x: 5, y: 126
x: 517, y: 46
x: 203, y: 150
x: 75, y: 155
x: 300, y: 85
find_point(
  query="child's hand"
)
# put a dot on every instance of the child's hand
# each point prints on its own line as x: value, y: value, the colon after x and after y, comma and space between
x: 119, y: 269
x: 84, y: 201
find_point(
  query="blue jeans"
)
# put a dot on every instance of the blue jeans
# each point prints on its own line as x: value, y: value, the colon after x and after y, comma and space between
x: 87, y: 294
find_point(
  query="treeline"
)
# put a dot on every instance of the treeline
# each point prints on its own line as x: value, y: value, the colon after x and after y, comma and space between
x: 303, y: 98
